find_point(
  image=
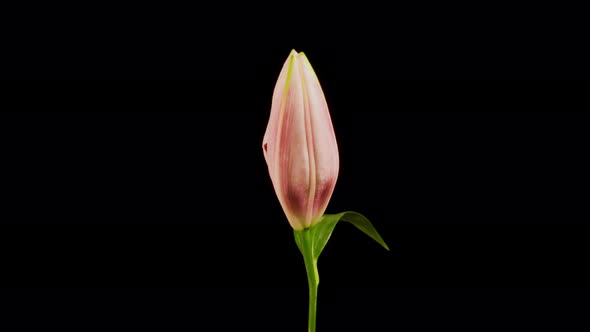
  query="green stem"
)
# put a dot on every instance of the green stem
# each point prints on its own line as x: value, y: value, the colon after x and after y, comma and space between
x: 311, y: 265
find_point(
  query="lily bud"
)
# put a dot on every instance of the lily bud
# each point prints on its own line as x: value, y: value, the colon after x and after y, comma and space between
x: 300, y: 145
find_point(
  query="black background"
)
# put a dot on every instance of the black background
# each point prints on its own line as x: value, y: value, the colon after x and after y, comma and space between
x: 144, y: 203
x: 401, y: 40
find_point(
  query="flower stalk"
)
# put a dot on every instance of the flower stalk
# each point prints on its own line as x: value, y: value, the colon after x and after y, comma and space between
x: 313, y: 278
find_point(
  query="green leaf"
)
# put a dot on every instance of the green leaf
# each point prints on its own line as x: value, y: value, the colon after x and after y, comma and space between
x: 361, y: 222
x: 299, y: 243
x: 321, y: 232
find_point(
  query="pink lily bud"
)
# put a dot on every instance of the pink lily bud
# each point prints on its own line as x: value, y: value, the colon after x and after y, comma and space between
x: 300, y: 145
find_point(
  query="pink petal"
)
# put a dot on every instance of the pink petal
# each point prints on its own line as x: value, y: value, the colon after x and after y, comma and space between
x: 299, y: 144
x: 325, y: 146
x: 271, y: 127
